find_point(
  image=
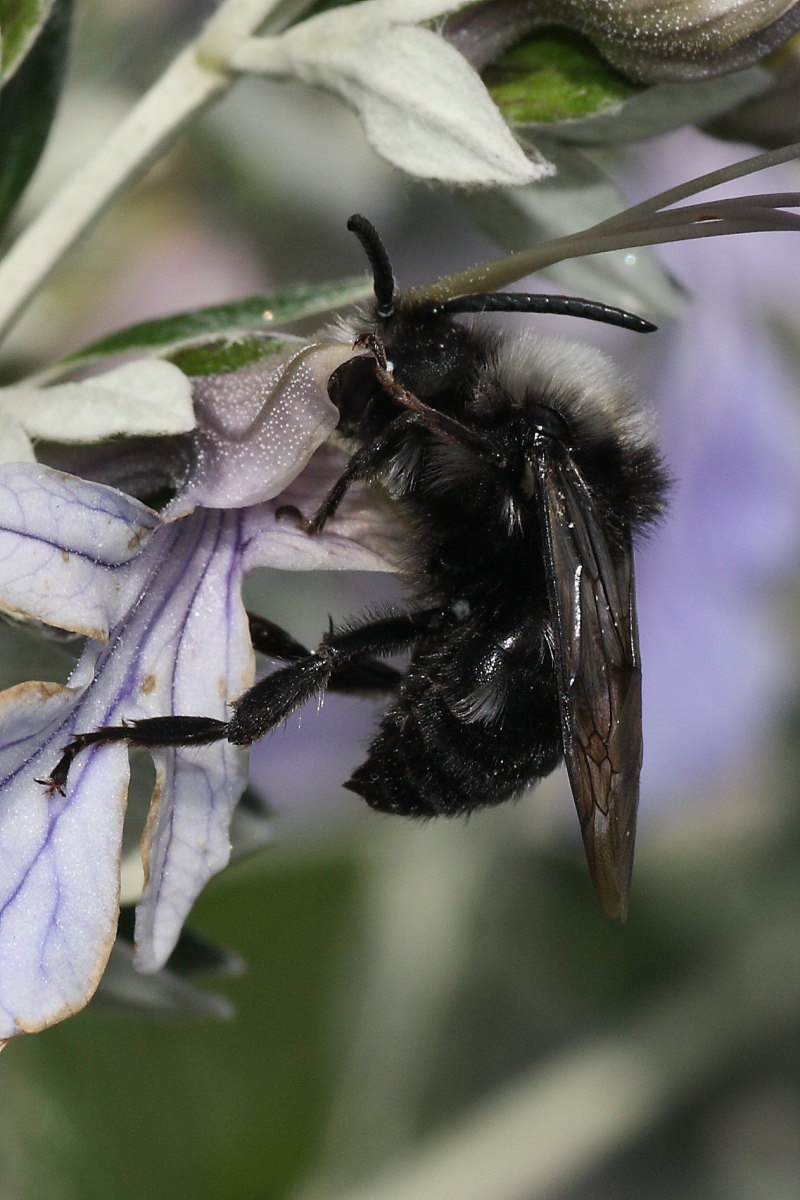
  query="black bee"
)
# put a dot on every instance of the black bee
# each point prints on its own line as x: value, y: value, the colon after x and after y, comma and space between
x: 523, y: 472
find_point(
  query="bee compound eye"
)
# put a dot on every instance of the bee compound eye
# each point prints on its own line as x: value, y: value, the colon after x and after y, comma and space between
x: 352, y: 385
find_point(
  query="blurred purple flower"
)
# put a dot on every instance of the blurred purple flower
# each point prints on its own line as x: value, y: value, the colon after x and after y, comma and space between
x: 717, y: 667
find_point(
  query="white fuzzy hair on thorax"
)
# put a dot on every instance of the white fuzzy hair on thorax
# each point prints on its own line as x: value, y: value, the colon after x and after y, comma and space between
x: 579, y: 382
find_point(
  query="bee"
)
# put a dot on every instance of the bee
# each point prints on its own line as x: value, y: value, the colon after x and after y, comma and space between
x: 523, y: 472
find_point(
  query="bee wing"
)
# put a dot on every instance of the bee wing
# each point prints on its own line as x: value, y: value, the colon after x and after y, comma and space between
x: 598, y: 674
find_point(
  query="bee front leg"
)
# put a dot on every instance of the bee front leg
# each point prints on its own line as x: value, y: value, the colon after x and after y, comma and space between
x: 365, y: 464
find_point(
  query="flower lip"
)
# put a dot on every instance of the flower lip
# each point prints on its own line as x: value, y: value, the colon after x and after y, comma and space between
x: 258, y: 427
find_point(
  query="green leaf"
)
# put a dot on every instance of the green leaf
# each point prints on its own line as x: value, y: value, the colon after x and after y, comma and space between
x: 28, y: 100
x: 21, y: 22
x: 231, y: 323
x: 664, y: 106
x: 554, y: 76
x: 221, y: 356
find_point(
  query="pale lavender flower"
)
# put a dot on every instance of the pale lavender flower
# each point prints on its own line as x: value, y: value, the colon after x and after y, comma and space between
x: 158, y: 599
x: 649, y: 40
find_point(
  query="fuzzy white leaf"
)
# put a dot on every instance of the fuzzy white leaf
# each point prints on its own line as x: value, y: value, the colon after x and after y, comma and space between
x: 147, y: 397
x: 412, y: 12
x: 423, y: 107
x: 15, y: 445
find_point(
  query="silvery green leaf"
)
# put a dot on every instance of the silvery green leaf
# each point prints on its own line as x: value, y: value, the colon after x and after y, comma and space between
x: 32, y: 650
x: 221, y: 356
x: 550, y: 76
x: 21, y: 25
x: 34, y: 40
x: 161, y: 994
x: 771, y: 118
x: 580, y: 194
x: 423, y: 107
x: 664, y: 106
x: 253, y: 315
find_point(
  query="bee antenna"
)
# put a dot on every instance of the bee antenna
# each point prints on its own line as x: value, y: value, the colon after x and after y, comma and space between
x: 382, y: 274
x: 568, y: 306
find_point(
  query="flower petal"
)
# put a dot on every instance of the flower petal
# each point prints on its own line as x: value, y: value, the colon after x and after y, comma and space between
x: 258, y: 427
x: 143, y: 397
x: 68, y: 548
x: 209, y: 663
x: 363, y: 535
x: 59, y: 861
x: 649, y: 40
x: 182, y: 646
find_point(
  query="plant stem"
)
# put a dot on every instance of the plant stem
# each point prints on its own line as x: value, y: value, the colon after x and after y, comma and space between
x: 196, y: 77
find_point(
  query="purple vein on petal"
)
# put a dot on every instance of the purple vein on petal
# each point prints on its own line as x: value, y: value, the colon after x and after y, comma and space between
x: 188, y: 839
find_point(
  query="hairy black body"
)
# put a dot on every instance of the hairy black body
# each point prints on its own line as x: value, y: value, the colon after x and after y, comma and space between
x: 476, y: 717
x: 522, y: 473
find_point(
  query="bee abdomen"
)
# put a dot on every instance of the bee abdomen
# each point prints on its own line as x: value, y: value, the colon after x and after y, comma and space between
x: 426, y: 761
x: 402, y: 776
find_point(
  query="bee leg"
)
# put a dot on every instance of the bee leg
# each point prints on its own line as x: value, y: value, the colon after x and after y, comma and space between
x: 273, y: 698
x: 372, y: 342
x: 153, y: 731
x: 444, y: 427
x: 366, y: 463
x: 371, y: 675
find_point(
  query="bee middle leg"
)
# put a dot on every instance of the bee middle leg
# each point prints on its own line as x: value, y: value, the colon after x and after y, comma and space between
x: 365, y: 464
